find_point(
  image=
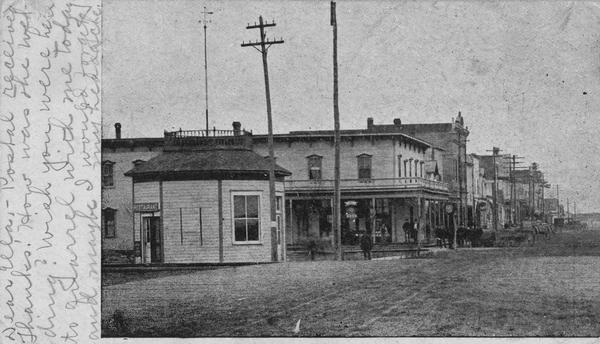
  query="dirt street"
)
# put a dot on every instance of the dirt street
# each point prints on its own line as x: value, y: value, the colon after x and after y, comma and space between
x: 551, y: 289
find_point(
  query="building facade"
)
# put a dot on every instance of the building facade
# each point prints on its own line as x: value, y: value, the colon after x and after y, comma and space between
x: 196, y: 199
x: 387, y: 179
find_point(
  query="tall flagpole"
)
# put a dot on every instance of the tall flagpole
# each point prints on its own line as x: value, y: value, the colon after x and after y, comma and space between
x: 204, y: 21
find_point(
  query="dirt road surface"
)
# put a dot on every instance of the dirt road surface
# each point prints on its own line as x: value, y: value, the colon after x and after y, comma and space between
x: 551, y: 289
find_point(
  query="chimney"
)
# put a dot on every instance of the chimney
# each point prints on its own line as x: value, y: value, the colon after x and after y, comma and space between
x: 237, y: 128
x: 397, y: 122
x: 118, y: 130
x: 370, y: 123
x: 460, y: 119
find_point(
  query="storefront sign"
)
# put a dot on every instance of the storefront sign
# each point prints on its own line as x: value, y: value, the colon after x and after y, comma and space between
x: 145, y: 207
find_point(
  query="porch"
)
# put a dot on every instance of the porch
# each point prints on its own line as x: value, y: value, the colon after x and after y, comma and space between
x: 400, y: 221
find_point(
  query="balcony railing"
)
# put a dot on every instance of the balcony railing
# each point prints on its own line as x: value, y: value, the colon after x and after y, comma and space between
x: 214, y: 132
x: 366, y: 184
x: 184, y: 139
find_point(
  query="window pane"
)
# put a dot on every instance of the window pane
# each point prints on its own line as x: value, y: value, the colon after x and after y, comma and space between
x: 253, y: 230
x: 240, y: 230
x: 314, y: 162
x: 364, y: 173
x: 239, y: 206
x: 252, y: 202
x: 315, y: 173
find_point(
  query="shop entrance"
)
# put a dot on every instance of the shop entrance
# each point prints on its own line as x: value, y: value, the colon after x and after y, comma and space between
x: 153, y: 239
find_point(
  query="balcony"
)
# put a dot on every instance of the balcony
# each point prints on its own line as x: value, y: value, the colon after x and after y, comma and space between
x: 381, y: 184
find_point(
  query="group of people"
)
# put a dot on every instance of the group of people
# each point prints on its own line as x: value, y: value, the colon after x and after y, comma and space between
x: 410, y: 229
x: 410, y: 232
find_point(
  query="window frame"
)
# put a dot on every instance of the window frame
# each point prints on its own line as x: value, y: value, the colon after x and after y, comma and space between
x: 368, y: 158
x: 319, y: 160
x: 104, y: 221
x: 111, y: 165
x: 233, y: 218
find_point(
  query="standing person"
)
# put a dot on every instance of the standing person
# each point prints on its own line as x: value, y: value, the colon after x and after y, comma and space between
x: 366, y: 245
x: 406, y: 229
x: 415, y: 231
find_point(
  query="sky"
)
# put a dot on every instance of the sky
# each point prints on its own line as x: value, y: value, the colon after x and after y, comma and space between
x: 525, y: 75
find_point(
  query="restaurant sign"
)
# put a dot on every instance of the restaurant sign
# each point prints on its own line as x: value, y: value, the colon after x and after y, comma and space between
x: 145, y: 207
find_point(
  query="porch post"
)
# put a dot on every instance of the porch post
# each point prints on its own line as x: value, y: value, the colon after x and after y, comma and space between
x: 291, y: 222
x: 372, y: 213
x: 419, y: 218
x: 333, y: 212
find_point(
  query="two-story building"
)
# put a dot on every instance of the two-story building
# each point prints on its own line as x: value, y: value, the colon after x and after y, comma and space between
x: 388, y: 178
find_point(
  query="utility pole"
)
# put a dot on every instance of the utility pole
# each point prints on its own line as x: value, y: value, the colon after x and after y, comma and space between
x: 264, y: 45
x: 557, y: 203
x: 543, y: 202
x: 460, y: 191
x: 205, y: 21
x: 337, y: 217
x: 531, y: 193
x: 495, y: 151
x: 514, y: 201
x: 533, y: 181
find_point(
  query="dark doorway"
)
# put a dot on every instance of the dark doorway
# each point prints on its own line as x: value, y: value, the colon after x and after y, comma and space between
x: 153, y: 236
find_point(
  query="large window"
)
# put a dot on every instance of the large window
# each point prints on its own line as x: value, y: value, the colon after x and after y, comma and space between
x: 108, y: 222
x: 314, y: 167
x: 246, y: 215
x: 107, y: 173
x: 364, y: 166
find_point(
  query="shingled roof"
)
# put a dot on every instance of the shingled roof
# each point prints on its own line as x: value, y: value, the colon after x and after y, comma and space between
x: 207, y: 164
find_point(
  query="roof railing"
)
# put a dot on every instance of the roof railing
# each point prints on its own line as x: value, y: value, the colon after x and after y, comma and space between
x: 207, y: 139
x: 214, y: 132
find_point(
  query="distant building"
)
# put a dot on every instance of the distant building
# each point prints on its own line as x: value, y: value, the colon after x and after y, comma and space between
x: 452, y: 137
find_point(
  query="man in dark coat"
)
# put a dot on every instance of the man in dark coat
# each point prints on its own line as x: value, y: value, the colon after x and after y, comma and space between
x: 406, y: 228
x: 366, y: 245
